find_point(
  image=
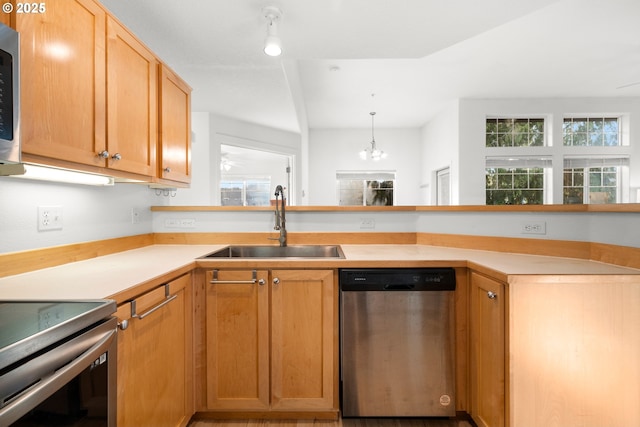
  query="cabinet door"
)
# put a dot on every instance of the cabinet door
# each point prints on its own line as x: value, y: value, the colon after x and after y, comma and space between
x: 155, y: 358
x: 237, y: 325
x: 175, y: 128
x: 487, y: 351
x: 132, y: 85
x: 304, y: 340
x: 63, y: 81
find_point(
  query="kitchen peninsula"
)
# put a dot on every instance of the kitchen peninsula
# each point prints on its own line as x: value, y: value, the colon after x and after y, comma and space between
x: 551, y: 318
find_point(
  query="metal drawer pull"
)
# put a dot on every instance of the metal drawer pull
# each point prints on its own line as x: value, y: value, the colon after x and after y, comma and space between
x: 253, y: 280
x: 492, y: 295
x: 168, y: 299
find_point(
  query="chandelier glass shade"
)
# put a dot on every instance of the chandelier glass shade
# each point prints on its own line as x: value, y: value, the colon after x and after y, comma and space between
x: 373, y: 153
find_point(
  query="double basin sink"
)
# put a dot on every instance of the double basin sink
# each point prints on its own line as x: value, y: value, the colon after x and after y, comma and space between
x: 268, y: 251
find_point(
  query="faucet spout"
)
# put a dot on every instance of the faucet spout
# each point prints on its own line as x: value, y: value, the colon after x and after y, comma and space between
x: 280, y: 220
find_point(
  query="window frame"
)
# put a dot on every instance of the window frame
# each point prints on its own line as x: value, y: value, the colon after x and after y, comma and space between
x: 523, y: 163
x: 585, y: 164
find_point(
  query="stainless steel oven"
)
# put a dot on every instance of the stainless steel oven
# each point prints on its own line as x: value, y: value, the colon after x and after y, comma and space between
x: 58, y: 363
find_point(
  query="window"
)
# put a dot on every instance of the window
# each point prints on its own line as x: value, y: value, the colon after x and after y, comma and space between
x: 365, y: 188
x: 594, y: 157
x: 595, y: 177
x: 516, y: 181
x: 591, y: 132
x: 594, y: 180
x: 245, y: 191
x: 246, y: 175
x: 515, y: 132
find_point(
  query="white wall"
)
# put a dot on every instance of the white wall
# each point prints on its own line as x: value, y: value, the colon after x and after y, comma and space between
x: 210, y: 131
x: 584, y: 227
x: 89, y: 213
x: 332, y: 150
x: 439, y: 150
x: 472, y: 119
x: 200, y: 191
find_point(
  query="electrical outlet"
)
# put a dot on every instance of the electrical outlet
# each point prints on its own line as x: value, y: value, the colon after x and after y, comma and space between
x: 172, y: 223
x: 188, y: 223
x: 180, y: 223
x: 367, y: 223
x: 49, y: 218
x: 534, y: 227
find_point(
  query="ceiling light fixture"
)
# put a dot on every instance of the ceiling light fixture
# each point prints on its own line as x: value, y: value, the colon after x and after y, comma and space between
x: 272, y: 44
x: 373, y: 152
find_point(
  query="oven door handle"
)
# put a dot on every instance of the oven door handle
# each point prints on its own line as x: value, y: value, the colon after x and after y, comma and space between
x: 52, y: 382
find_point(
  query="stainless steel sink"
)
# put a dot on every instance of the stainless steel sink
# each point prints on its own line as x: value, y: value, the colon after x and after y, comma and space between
x: 265, y: 251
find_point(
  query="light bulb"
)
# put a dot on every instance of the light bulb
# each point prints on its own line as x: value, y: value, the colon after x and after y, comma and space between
x: 273, y: 46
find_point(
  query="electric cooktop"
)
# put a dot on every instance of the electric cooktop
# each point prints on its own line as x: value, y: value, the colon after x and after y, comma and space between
x: 26, y: 327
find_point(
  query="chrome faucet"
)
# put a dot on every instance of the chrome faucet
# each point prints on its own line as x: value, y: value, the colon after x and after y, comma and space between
x: 280, y: 223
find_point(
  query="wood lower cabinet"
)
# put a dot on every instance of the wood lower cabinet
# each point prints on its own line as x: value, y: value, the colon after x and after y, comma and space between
x: 237, y: 341
x: 487, y: 322
x: 271, y: 341
x: 155, y: 357
x: 303, y: 340
x: 555, y: 350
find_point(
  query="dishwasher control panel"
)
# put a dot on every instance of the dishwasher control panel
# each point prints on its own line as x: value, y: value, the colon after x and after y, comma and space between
x: 397, y: 279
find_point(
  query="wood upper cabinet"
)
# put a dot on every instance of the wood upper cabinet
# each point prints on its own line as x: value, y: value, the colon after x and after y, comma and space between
x: 63, y: 81
x: 132, y: 85
x: 271, y: 357
x: 174, y: 157
x: 155, y: 358
x: 94, y: 98
x: 6, y: 18
x: 487, y: 321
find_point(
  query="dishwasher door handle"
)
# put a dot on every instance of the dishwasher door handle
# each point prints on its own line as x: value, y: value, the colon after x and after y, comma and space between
x: 399, y: 287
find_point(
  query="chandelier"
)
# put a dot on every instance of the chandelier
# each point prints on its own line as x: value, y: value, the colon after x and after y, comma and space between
x: 373, y: 153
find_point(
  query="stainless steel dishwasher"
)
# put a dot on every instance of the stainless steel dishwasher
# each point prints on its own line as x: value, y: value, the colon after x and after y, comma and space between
x: 397, y: 342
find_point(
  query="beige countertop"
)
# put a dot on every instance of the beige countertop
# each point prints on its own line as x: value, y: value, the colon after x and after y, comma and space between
x: 109, y: 275
x: 104, y: 276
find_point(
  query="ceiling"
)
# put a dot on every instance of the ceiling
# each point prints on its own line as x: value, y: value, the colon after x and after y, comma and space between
x: 414, y: 56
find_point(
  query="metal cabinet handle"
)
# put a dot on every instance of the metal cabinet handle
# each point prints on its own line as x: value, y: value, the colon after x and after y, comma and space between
x: 117, y: 156
x: 215, y: 281
x: 492, y: 295
x: 167, y: 169
x: 276, y: 280
x: 167, y: 300
x: 104, y: 154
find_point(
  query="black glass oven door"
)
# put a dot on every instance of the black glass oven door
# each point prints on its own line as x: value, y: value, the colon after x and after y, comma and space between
x: 72, y: 384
